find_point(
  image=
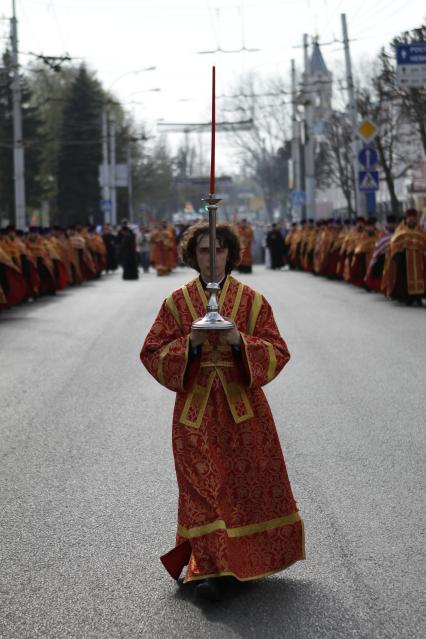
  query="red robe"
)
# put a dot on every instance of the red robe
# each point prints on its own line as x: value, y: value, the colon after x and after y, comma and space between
x: 245, y: 235
x: 237, y: 515
x: 16, y: 286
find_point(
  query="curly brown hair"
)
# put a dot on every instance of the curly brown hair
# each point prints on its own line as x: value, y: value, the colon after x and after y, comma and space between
x: 226, y: 237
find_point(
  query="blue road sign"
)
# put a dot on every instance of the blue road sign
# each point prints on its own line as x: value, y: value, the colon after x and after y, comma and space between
x: 106, y: 205
x: 298, y: 198
x: 368, y: 157
x: 368, y: 180
x: 413, y: 53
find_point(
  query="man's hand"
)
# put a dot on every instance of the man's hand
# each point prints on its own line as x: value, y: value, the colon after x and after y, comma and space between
x: 232, y: 336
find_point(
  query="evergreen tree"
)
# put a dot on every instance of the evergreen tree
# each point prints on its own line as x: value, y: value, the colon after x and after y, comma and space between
x: 80, y: 152
x: 50, y: 88
x: 32, y: 145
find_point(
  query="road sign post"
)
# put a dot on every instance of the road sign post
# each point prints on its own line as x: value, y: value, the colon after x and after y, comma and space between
x: 368, y: 178
x: 371, y: 202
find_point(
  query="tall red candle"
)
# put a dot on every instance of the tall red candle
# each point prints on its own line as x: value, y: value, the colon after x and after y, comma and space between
x: 213, y: 131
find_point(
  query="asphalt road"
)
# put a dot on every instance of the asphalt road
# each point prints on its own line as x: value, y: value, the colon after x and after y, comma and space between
x: 88, y: 495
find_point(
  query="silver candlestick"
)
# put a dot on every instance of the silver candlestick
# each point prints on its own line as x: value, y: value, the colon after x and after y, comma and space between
x: 212, y: 320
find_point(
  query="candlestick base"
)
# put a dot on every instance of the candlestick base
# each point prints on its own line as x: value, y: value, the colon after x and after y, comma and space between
x: 212, y: 320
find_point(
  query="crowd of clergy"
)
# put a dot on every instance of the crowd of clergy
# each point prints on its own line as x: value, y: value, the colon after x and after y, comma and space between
x: 43, y: 261
x: 391, y: 260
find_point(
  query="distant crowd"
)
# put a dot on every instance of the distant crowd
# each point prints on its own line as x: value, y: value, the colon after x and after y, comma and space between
x: 390, y: 260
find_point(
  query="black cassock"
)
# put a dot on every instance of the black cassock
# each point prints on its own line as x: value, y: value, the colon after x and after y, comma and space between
x: 128, y: 256
x: 275, y: 243
x: 111, y: 251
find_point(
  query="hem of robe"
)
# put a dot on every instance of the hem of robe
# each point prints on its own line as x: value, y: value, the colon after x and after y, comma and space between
x: 232, y: 574
x: 176, y: 559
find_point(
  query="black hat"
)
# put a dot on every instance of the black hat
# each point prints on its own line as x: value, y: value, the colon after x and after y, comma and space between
x: 391, y: 219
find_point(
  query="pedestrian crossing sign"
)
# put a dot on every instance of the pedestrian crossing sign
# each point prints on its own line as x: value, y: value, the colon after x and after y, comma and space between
x: 368, y: 180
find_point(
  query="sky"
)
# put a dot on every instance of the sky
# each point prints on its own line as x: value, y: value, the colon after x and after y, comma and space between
x: 119, y: 38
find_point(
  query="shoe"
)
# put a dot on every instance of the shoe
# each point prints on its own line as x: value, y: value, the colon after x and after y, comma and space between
x: 208, y: 590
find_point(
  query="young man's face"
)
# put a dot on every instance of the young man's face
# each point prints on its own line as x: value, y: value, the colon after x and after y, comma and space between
x: 202, y: 253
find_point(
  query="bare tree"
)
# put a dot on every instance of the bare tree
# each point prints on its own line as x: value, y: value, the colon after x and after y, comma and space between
x: 339, y: 141
x: 395, y: 143
x: 263, y: 150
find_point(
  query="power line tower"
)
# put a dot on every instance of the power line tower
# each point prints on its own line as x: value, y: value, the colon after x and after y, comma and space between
x: 18, y: 142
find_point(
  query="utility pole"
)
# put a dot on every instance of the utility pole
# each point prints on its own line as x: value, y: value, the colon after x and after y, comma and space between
x: 310, y: 185
x: 360, y: 204
x: 106, y: 195
x: 295, y: 143
x: 112, y: 149
x: 129, y: 181
x: 18, y: 142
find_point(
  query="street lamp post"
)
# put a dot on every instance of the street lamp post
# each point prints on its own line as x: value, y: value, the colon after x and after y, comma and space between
x: 18, y: 142
x: 108, y: 172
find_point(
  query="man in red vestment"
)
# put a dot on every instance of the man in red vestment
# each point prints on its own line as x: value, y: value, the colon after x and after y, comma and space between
x: 12, y: 280
x: 363, y: 252
x: 373, y: 278
x: 245, y: 235
x: 237, y: 516
x: 404, y: 276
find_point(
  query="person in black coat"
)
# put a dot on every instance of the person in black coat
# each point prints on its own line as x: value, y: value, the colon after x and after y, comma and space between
x: 127, y: 255
x: 110, y: 242
x: 275, y: 244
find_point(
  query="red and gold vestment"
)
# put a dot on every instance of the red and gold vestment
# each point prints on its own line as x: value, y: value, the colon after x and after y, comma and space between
x: 237, y: 515
x: 411, y: 280
x: 245, y: 235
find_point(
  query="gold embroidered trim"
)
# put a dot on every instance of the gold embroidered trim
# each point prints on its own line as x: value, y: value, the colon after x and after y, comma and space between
x: 201, y: 292
x: 189, y: 302
x: 198, y: 395
x: 170, y: 303
x: 272, y: 360
x: 241, y: 531
x: 232, y: 574
x: 160, y: 372
x: 234, y: 393
x: 224, y: 364
x: 237, y: 301
x: 247, y: 360
x: 186, y: 361
x: 254, y: 313
x: 224, y: 292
